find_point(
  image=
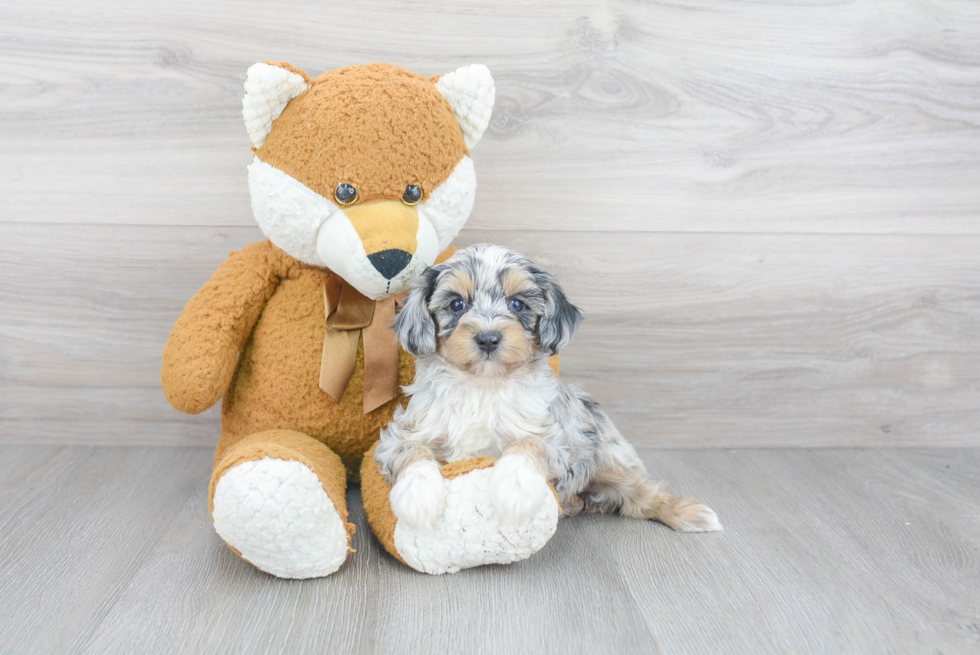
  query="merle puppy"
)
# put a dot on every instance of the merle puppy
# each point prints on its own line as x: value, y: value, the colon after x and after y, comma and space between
x: 483, y: 325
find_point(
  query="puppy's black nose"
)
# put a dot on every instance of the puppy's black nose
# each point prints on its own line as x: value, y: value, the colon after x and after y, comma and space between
x: 488, y: 341
x: 390, y: 262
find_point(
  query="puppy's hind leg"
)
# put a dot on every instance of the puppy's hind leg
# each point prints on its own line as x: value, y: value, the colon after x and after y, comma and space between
x: 628, y: 491
x: 572, y: 506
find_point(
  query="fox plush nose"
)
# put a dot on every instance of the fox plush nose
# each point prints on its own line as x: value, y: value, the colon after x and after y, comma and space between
x: 389, y: 232
x: 390, y: 262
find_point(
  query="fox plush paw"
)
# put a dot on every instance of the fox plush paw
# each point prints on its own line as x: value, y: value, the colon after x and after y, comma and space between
x: 276, y: 514
x: 471, y: 528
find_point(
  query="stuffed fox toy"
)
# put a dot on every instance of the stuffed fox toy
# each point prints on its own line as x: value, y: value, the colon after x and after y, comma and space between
x: 360, y: 179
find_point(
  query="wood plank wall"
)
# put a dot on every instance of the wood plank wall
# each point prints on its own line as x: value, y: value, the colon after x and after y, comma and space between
x: 767, y: 210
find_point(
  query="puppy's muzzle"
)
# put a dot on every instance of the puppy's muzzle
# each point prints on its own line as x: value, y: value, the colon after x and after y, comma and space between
x: 487, y: 341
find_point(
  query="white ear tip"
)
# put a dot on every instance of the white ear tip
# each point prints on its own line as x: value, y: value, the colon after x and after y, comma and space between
x: 268, y: 89
x: 471, y: 93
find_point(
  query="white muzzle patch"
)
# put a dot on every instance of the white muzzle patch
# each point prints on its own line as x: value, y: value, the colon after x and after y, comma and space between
x: 288, y: 213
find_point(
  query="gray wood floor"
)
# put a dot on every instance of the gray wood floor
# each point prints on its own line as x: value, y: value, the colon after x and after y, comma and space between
x: 109, y: 550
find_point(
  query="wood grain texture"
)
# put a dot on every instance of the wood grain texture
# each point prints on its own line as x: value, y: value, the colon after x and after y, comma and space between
x: 75, y: 525
x: 824, y: 551
x: 697, y: 115
x: 689, y: 339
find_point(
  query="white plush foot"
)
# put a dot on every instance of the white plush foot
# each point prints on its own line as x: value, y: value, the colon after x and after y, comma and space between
x: 419, y: 495
x: 470, y: 532
x: 517, y: 489
x: 276, y: 513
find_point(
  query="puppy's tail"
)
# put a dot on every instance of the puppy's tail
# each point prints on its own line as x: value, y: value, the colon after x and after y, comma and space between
x: 629, y: 492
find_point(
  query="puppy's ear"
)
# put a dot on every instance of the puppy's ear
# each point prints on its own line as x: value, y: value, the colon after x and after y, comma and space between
x: 414, y: 325
x: 560, y: 318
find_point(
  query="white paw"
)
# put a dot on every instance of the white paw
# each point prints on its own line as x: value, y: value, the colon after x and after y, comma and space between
x: 698, y: 518
x: 706, y: 521
x: 419, y: 495
x: 517, y: 489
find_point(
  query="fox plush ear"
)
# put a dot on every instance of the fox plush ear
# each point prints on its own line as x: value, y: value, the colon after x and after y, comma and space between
x: 268, y: 89
x: 470, y: 93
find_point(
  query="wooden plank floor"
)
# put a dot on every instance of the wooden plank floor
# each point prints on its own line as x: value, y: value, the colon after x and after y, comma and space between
x: 109, y: 550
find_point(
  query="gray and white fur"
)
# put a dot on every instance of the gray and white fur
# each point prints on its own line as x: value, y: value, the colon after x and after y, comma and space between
x: 482, y: 326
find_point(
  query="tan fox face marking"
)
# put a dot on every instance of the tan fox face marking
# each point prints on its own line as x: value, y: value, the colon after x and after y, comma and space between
x: 375, y: 222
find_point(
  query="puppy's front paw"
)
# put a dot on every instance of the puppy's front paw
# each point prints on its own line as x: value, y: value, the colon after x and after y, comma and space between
x: 419, y: 495
x: 517, y: 489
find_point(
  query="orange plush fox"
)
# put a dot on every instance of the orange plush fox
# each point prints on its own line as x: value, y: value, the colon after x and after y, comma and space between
x: 361, y: 178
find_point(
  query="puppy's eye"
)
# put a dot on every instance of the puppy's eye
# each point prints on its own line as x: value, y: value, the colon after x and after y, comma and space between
x: 458, y: 305
x: 345, y: 194
x: 412, y: 195
x: 516, y: 305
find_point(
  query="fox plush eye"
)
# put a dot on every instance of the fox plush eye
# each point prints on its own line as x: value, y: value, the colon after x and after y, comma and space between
x: 458, y: 305
x: 345, y: 194
x: 516, y: 305
x: 412, y: 195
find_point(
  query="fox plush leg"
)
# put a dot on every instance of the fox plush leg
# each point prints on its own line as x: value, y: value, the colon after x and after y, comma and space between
x: 278, y: 500
x: 468, y: 531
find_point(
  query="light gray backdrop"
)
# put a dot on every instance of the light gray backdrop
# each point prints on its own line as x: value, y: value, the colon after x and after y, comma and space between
x: 768, y: 211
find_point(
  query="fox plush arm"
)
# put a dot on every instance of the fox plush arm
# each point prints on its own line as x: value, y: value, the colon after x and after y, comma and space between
x: 201, y: 354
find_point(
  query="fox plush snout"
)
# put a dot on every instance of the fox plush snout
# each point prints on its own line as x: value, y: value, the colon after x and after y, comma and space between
x: 389, y: 232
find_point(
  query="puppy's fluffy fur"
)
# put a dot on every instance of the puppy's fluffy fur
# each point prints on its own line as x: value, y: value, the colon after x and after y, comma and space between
x: 483, y: 325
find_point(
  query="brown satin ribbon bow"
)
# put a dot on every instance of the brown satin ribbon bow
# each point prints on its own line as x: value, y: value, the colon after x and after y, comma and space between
x: 349, y: 315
